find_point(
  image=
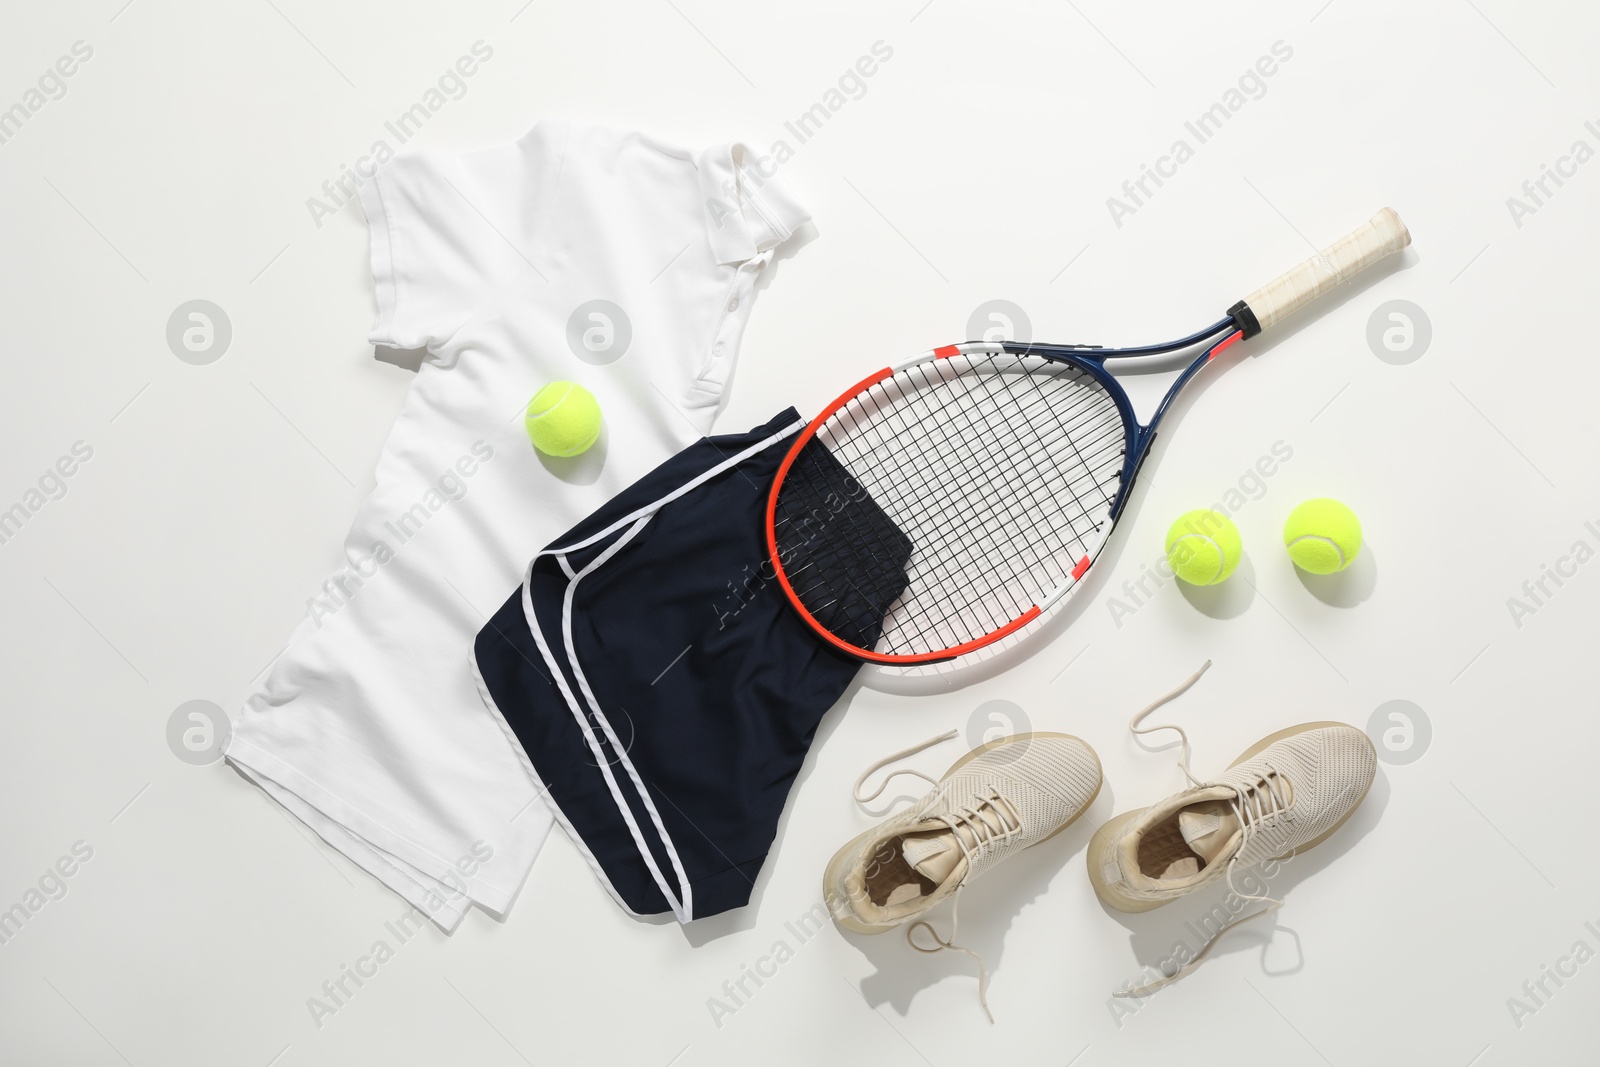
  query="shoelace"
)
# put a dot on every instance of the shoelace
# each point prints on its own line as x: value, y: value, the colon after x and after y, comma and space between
x: 986, y: 833
x: 1251, y: 806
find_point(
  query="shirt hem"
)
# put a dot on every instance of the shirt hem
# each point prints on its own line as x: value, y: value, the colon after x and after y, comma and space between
x: 370, y: 833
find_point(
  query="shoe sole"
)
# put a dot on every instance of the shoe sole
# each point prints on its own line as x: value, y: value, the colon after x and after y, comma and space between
x: 839, y: 866
x: 1103, y: 840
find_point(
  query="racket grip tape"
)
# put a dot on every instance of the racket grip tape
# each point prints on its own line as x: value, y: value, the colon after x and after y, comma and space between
x: 1381, y: 236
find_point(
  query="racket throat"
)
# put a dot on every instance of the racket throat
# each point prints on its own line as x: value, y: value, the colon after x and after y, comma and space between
x: 1139, y: 449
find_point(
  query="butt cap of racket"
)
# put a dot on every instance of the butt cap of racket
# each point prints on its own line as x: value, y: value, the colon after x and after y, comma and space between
x: 1382, y: 236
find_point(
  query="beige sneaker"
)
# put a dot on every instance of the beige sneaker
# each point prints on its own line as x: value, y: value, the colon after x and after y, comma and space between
x: 1286, y: 793
x: 995, y: 801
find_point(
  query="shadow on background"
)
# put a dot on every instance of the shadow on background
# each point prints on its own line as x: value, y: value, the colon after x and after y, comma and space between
x: 1227, y: 599
x: 1348, y: 587
x: 405, y: 358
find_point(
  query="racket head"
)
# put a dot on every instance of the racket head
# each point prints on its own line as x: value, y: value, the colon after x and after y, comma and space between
x: 944, y: 503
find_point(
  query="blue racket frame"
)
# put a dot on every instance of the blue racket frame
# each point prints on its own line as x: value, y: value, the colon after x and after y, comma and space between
x: 1138, y: 436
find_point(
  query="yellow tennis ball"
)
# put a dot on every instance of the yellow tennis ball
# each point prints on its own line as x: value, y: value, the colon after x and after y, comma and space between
x: 1322, y: 535
x: 563, y: 419
x: 1203, y: 547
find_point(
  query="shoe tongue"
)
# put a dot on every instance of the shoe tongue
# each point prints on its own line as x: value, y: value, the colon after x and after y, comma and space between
x: 932, y: 854
x: 1207, y: 828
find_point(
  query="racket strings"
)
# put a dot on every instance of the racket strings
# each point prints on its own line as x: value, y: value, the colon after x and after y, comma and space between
x: 967, y: 518
x: 967, y: 504
x: 907, y: 494
x: 992, y: 585
x: 874, y: 423
x: 976, y: 462
x: 912, y: 502
x: 955, y: 494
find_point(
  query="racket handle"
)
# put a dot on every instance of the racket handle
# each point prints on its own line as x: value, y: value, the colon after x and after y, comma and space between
x: 1382, y: 235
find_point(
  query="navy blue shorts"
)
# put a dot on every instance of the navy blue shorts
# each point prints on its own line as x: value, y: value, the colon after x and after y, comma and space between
x: 658, y: 683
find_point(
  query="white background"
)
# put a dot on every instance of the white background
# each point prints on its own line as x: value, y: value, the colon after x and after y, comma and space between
x: 976, y: 166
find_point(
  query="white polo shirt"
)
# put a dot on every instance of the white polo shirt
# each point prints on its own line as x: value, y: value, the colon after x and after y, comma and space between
x: 578, y: 253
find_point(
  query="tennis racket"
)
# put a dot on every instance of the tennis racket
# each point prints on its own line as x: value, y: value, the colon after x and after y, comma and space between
x: 944, y: 503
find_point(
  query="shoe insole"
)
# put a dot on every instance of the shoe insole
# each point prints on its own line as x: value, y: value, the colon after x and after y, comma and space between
x: 1188, y: 841
x: 891, y: 880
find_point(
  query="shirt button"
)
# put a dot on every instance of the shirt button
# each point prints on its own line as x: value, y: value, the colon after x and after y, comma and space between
x: 717, y: 348
x: 733, y: 305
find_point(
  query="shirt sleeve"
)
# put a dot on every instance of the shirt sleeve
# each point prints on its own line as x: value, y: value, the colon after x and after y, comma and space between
x: 748, y: 211
x: 434, y: 248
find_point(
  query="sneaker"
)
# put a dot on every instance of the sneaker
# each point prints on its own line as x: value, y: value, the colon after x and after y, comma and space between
x: 1288, y: 792
x: 995, y: 801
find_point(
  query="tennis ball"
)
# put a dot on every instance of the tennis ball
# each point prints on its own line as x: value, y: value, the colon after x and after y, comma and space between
x: 1322, y: 535
x: 1203, y: 547
x: 563, y: 419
